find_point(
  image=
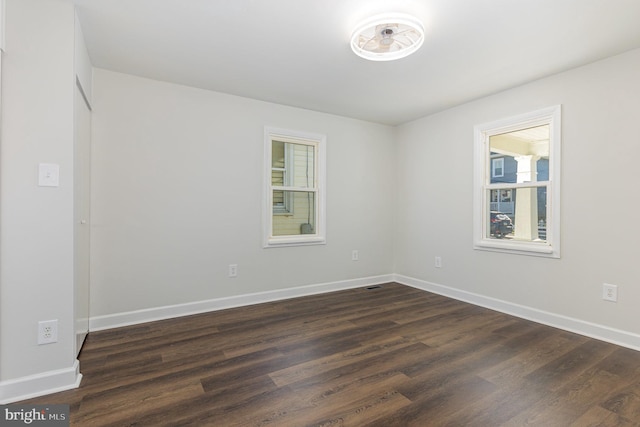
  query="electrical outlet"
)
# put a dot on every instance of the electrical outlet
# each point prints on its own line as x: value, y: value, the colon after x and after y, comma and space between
x: 438, y: 262
x: 609, y: 292
x: 355, y: 256
x: 233, y: 270
x: 47, y: 331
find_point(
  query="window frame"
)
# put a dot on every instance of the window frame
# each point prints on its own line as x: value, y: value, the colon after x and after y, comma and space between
x: 318, y: 141
x: 482, y: 183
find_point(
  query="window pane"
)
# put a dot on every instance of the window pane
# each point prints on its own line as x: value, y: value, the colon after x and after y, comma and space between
x: 278, y: 169
x: 524, y: 154
x: 277, y: 177
x: 302, y: 217
x: 303, y: 167
x: 277, y: 154
x: 502, y: 201
x: 518, y: 214
x: 278, y: 200
x: 293, y: 164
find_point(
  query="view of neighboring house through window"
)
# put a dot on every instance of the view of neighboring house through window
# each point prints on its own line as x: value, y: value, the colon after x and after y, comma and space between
x: 294, y: 211
x: 517, y: 186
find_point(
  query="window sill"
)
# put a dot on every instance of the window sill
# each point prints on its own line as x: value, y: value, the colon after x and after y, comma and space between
x: 521, y: 248
x: 279, y: 242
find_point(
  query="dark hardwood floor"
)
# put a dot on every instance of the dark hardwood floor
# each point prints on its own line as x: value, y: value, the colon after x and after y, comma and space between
x: 394, y: 356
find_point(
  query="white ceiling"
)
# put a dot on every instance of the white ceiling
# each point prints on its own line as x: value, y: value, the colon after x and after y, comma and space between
x: 296, y: 52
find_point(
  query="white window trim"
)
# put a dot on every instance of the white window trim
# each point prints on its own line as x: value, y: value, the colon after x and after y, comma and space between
x: 319, y: 141
x: 550, y: 248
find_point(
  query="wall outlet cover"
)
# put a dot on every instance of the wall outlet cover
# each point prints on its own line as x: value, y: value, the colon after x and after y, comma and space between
x: 609, y: 292
x: 47, y: 331
x: 233, y: 270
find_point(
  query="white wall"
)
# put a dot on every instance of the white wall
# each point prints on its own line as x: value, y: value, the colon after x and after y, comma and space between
x: 36, y: 223
x: 600, y: 203
x: 177, y: 190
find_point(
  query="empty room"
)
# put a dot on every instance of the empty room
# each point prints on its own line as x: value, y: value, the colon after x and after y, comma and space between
x: 291, y: 213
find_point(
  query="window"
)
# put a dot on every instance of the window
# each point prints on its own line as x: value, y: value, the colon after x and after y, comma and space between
x: 497, y: 167
x: 294, y: 212
x: 517, y: 184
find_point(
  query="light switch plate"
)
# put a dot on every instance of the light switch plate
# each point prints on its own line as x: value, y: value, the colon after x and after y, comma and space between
x: 48, y: 175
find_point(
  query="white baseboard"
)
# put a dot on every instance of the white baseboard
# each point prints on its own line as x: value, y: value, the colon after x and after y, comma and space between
x: 65, y: 379
x: 38, y: 385
x: 600, y: 332
x: 98, y: 323
x: 592, y: 330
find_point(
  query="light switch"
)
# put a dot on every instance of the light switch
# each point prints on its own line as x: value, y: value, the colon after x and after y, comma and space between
x: 48, y: 175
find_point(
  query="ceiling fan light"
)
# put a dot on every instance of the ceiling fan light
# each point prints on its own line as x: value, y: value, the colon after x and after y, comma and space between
x: 387, y: 37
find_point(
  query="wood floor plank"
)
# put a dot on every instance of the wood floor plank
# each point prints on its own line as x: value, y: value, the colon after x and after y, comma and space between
x: 495, y: 409
x: 510, y: 373
x: 625, y: 402
x: 439, y: 403
x: 314, y: 367
x: 93, y: 411
x: 365, y: 409
x: 106, y: 379
x: 570, y: 365
x: 369, y: 369
x: 219, y: 397
x: 568, y: 401
x: 570, y: 404
x: 389, y: 356
x: 597, y: 416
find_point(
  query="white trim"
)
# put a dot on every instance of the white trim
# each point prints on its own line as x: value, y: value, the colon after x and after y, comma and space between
x: 40, y: 384
x: 481, y: 155
x: 3, y: 14
x: 516, y: 185
x: 589, y: 329
x: 581, y: 327
x: 99, y: 323
x: 65, y: 379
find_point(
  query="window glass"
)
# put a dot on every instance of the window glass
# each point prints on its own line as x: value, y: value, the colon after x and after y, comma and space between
x: 303, y: 216
x: 515, y: 213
